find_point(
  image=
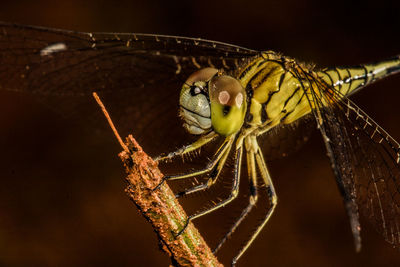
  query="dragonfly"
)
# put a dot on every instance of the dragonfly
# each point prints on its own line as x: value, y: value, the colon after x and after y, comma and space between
x: 219, y: 91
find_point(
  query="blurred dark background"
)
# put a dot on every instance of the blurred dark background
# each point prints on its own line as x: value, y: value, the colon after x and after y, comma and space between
x: 62, y: 200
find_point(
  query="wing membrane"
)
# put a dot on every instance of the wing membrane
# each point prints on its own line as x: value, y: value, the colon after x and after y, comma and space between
x: 365, y: 160
x: 284, y: 140
x: 102, y: 61
x: 138, y: 76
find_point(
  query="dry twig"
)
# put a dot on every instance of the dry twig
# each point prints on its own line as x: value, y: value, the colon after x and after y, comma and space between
x: 160, y: 207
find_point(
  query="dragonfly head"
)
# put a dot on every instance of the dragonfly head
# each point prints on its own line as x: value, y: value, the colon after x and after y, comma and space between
x: 210, y: 99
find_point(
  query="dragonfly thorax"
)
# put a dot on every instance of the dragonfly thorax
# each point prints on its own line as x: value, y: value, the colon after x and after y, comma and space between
x: 210, y: 99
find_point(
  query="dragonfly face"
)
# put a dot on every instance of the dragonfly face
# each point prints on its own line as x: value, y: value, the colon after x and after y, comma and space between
x: 212, y: 100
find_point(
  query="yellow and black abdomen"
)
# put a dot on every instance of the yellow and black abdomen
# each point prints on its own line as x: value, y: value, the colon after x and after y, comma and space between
x: 348, y: 80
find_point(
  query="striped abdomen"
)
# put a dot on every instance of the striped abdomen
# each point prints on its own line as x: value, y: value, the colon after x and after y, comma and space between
x: 349, y: 80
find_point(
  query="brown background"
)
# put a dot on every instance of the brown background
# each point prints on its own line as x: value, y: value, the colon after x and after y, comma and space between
x: 62, y: 205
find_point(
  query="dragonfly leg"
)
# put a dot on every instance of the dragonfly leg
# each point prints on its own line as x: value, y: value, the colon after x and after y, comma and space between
x: 252, y: 173
x: 214, y: 174
x: 232, y: 196
x: 203, y: 140
x: 272, y: 198
x: 224, y: 148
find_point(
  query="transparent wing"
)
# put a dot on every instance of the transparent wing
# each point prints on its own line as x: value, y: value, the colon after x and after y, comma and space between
x: 66, y: 62
x: 284, y: 140
x: 139, y: 76
x: 365, y: 160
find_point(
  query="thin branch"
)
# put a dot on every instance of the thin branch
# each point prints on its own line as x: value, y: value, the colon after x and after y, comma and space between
x: 160, y: 207
x: 103, y: 108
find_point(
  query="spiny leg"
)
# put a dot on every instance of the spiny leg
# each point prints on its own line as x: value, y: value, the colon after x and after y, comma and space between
x: 272, y: 198
x: 232, y: 196
x: 252, y: 173
x: 203, y: 140
x: 210, y: 166
x: 214, y: 174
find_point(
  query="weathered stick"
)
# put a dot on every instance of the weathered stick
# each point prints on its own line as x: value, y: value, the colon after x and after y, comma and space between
x: 160, y: 207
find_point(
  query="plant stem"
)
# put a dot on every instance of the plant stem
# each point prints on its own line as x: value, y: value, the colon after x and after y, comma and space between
x: 160, y: 207
x: 162, y: 210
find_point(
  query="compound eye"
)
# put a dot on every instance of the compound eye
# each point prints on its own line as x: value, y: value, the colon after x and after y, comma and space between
x: 203, y: 75
x: 228, y: 104
x: 227, y: 91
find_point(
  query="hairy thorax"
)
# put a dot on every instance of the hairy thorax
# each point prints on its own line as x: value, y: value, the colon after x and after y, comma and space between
x: 275, y: 95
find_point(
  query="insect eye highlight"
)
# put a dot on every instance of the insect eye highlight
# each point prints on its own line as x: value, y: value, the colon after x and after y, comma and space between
x: 195, y: 90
